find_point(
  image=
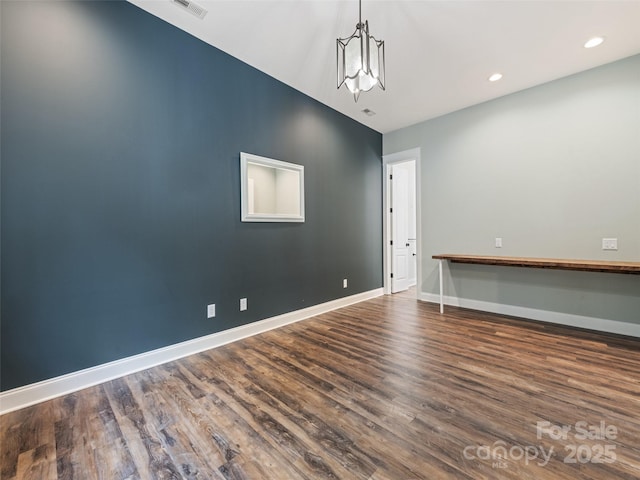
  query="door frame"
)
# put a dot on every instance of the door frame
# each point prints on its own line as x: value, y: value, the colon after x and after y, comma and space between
x: 387, y: 254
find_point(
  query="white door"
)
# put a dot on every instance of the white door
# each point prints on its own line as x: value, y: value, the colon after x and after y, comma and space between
x: 394, y: 263
x: 400, y: 228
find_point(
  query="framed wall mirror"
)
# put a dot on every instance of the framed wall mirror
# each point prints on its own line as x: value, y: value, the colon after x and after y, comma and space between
x: 271, y: 190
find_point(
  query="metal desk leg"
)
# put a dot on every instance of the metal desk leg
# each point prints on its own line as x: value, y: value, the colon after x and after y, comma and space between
x: 441, y: 292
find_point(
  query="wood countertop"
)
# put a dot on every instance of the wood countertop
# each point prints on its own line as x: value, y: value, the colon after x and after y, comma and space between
x: 551, y: 263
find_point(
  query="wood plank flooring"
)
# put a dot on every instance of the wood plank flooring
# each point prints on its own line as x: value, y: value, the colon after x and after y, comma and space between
x: 387, y: 389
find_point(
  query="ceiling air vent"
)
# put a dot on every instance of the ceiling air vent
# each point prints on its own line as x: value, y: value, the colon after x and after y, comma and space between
x: 191, y: 7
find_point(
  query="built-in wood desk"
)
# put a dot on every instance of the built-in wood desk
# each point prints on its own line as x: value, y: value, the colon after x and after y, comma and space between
x: 551, y: 263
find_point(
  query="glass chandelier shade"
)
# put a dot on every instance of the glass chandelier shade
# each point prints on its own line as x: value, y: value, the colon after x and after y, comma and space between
x: 360, y: 60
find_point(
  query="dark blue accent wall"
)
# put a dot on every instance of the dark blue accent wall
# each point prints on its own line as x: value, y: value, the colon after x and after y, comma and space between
x: 120, y: 178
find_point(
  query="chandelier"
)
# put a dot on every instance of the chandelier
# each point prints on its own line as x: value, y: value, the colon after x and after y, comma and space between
x: 360, y: 59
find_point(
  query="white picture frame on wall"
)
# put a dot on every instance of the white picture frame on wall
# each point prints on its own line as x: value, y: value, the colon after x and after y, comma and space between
x: 271, y: 190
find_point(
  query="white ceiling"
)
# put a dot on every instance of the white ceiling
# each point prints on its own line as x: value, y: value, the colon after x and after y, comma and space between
x: 439, y: 54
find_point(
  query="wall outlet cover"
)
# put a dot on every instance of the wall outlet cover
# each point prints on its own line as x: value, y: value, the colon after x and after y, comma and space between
x: 498, y: 242
x: 610, y: 244
x: 243, y: 304
x: 211, y: 310
x: 344, y: 283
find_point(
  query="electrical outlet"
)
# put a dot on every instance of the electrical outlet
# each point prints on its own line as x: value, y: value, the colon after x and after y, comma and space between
x: 498, y: 242
x: 344, y: 283
x: 211, y: 310
x: 243, y: 304
x: 610, y: 244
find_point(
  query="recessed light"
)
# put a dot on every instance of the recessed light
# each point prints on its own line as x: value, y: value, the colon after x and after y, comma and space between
x: 495, y: 77
x: 594, y: 42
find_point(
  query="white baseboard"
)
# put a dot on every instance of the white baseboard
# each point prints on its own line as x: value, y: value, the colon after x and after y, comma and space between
x: 47, y: 389
x: 592, y: 323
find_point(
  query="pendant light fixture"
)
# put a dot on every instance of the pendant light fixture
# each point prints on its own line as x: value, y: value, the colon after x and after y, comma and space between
x: 360, y: 59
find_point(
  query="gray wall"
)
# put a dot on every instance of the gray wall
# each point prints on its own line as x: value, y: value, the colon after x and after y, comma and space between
x: 121, y: 138
x: 552, y: 170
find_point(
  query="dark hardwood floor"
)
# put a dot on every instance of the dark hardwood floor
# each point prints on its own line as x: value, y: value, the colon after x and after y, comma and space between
x: 387, y: 389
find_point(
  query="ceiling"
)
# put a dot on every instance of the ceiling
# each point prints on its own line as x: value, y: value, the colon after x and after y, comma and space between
x: 439, y: 54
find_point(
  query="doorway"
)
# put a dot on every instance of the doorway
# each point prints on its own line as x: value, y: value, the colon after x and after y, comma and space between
x: 402, y: 221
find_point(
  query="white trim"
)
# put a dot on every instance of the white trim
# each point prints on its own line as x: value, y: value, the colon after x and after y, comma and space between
x: 569, y: 319
x: 47, y: 389
x: 399, y: 157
